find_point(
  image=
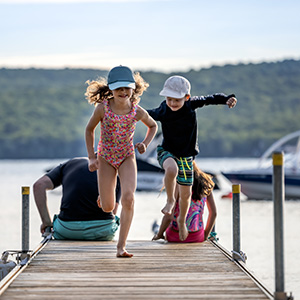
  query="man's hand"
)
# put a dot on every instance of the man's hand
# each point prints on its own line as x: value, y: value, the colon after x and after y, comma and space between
x: 44, y: 226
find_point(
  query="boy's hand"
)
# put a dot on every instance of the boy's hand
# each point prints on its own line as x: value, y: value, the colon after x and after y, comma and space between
x: 141, y: 147
x: 231, y: 102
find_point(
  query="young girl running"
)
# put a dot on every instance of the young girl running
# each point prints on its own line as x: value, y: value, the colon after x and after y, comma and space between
x: 118, y: 111
x: 201, y: 195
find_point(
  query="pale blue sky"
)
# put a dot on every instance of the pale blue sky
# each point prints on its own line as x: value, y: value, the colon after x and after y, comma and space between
x: 166, y: 35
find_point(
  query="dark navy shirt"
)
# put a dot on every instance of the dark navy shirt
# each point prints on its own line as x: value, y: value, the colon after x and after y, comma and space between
x: 79, y: 191
x: 179, y: 127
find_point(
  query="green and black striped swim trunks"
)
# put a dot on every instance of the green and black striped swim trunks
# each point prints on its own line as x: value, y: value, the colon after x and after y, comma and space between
x: 185, y: 166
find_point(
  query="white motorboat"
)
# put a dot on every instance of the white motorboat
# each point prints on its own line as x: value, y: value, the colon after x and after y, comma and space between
x: 256, y: 183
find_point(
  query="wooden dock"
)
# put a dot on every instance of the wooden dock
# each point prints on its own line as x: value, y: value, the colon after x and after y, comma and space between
x: 90, y: 270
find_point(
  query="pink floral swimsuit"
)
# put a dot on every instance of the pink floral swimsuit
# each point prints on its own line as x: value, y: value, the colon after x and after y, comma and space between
x: 116, y: 138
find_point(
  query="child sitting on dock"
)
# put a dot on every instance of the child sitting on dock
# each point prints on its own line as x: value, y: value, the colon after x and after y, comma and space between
x: 179, y: 147
x: 118, y: 111
x: 201, y: 195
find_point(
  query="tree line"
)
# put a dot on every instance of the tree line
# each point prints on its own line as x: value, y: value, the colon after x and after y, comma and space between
x: 44, y: 112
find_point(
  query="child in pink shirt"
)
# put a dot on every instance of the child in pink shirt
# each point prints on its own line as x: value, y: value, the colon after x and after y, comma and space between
x: 201, y: 195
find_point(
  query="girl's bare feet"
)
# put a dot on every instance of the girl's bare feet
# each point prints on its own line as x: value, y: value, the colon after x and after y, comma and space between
x: 124, y: 254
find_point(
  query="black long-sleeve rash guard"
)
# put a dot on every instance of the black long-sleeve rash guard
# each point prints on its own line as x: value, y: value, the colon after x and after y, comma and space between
x: 179, y: 127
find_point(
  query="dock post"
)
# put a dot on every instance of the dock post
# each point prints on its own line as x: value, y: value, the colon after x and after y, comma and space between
x: 236, y: 188
x: 236, y: 237
x: 278, y: 203
x: 25, y: 219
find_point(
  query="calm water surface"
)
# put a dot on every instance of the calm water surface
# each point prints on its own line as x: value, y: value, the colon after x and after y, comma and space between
x: 257, y: 239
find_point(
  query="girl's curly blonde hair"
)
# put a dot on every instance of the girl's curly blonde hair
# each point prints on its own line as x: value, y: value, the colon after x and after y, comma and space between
x: 98, y: 90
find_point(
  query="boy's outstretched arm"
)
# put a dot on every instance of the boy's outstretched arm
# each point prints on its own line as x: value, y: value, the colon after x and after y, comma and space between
x: 215, y: 99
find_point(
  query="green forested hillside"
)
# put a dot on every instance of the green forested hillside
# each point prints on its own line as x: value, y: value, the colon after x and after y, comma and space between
x: 43, y: 112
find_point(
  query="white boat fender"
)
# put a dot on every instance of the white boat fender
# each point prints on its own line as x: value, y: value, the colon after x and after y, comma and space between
x: 5, y: 265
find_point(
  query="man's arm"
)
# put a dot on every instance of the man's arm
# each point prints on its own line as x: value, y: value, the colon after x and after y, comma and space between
x: 39, y: 190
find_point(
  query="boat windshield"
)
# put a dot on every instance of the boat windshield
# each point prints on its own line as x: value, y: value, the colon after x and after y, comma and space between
x: 290, y: 146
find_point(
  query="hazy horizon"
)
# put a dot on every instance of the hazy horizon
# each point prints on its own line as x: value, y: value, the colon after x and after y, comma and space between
x: 161, y: 35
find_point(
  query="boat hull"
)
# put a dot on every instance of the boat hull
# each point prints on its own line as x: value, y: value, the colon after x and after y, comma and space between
x: 149, y: 181
x: 150, y: 176
x: 259, y: 186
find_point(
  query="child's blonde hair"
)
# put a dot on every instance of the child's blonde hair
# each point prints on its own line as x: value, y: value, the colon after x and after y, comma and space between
x: 98, y: 90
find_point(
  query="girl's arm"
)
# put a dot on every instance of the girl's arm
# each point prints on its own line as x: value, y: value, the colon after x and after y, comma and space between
x: 96, y: 117
x: 166, y: 220
x: 142, y: 115
x: 212, y: 214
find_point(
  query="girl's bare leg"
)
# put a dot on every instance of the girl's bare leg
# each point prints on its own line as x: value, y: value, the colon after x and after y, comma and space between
x: 107, y: 177
x: 185, y: 193
x: 171, y: 170
x: 127, y: 175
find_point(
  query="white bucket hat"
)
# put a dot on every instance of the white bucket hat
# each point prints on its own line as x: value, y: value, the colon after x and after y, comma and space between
x: 176, y: 87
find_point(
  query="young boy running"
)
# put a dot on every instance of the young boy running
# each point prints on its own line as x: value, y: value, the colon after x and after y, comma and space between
x: 179, y: 147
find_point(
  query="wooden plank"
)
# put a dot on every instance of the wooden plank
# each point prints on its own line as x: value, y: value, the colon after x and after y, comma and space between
x: 90, y: 270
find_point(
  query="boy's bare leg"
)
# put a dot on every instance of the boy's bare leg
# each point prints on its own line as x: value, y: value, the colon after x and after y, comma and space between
x: 185, y: 193
x: 171, y: 171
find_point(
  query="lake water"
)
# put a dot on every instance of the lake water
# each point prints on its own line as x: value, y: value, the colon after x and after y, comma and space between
x: 257, y: 239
